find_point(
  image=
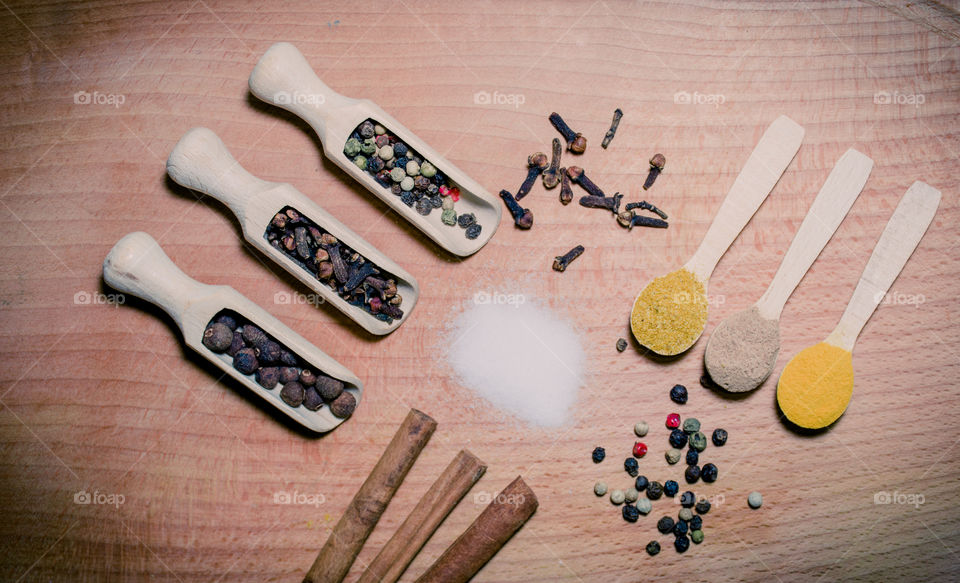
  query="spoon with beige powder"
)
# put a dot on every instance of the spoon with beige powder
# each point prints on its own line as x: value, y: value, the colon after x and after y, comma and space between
x: 742, y: 351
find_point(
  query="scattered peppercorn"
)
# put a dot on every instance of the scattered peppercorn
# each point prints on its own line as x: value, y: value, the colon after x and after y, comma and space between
x: 673, y: 455
x: 688, y: 499
x: 719, y: 437
x: 692, y: 474
x: 670, y: 488
x: 653, y: 547
x: 639, y: 449
x: 685, y: 514
x: 598, y: 454
x: 621, y: 344
x: 755, y: 500
x: 678, y: 438
x: 681, y: 543
x: 703, y: 506
x: 691, y: 425
x: 680, y: 527
x: 631, y: 467
x: 693, y: 457
x: 665, y: 525
x: 696, y: 523
x: 673, y: 421
x: 654, y: 490
x: 617, y: 497
x: 630, y: 495
x: 641, y: 428
x: 630, y: 513
x: 641, y: 483
x: 709, y: 473
x: 698, y: 441
x: 600, y: 488
x: 644, y: 506
x: 678, y: 394
x: 696, y: 536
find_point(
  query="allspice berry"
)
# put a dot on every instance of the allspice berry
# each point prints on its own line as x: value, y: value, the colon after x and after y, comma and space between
x: 312, y: 399
x: 329, y: 387
x: 245, y: 361
x: 343, y: 405
x: 218, y: 337
x: 267, y: 376
x: 292, y: 394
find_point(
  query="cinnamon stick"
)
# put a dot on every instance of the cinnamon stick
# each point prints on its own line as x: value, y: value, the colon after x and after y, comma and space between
x: 482, y: 539
x: 341, y: 549
x: 433, y: 507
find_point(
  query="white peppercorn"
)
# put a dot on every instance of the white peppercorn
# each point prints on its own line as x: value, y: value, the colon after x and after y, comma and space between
x: 641, y: 428
x: 617, y: 497
x: 755, y: 500
x: 600, y: 488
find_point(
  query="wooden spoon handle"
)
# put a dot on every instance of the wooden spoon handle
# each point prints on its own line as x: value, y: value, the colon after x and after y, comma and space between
x: 202, y: 162
x: 760, y: 174
x: 138, y: 266
x: 835, y: 198
x: 284, y: 78
x: 897, y: 242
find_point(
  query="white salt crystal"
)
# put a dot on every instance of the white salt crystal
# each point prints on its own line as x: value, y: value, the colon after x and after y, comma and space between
x: 521, y: 357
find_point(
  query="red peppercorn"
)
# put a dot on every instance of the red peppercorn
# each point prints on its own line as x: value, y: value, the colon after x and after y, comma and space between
x: 673, y: 421
x: 639, y: 449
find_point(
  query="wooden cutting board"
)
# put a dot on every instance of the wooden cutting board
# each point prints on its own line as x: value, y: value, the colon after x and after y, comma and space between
x: 105, y: 399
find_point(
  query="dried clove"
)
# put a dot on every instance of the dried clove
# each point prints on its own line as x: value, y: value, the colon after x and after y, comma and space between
x: 566, y: 193
x: 561, y: 262
x: 577, y: 175
x: 617, y: 114
x: 645, y: 206
x: 576, y: 143
x: 641, y: 221
x: 551, y: 175
x: 300, y: 240
x: 611, y: 203
x: 339, y: 265
x: 536, y: 164
x: 522, y: 217
x: 656, y: 165
x: 358, y: 274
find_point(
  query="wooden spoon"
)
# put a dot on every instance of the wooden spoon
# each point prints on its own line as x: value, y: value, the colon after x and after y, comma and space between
x: 138, y: 266
x: 813, y: 391
x: 284, y: 78
x: 755, y: 355
x: 767, y: 162
x: 201, y: 161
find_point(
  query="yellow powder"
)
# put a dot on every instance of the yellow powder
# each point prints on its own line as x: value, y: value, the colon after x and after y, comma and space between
x: 670, y: 313
x: 816, y: 385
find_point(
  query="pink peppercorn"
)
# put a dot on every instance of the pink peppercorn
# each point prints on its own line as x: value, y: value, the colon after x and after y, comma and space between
x: 444, y: 191
x: 455, y: 194
x: 673, y: 421
x: 639, y: 449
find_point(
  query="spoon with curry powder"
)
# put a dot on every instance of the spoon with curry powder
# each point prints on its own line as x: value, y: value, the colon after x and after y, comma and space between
x: 743, y: 349
x: 670, y: 313
x: 816, y: 385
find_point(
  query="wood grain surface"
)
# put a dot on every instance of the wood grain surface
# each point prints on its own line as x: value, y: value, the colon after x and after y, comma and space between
x: 106, y: 399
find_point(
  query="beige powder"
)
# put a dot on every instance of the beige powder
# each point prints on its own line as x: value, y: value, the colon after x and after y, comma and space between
x: 743, y: 350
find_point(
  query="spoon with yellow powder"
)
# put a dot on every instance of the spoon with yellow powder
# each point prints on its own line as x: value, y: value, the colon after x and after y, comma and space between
x: 743, y: 349
x: 816, y: 385
x: 670, y: 313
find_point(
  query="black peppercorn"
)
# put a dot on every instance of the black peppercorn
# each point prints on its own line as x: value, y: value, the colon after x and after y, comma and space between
x: 245, y: 361
x: 630, y: 513
x: 696, y: 523
x: 681, y: 543
x: 670, y: 488
x: 687, y: 499
x: 268, y: 376
x: 217, y: 337
x: 665, y: 524
x: 692, y: 474
x: 466, y: 219
x: 292, y: 394
x: 708, y: 473
x: 719, y: 437
x: 329, y: 387
x: 678, y: 438
x: 343, y: 405
x: 312, y: 399
x: 678, y: 394
x: 693, y: 457
x: 653, y: 547
x: 631, y: 466
x: 680, y: 527
x: 641, y: 483
x: 598, y: 454
x: 654, y: 490
x: 703, y: 506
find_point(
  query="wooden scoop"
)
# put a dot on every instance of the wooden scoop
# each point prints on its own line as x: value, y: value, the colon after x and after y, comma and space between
x: 138, y: 266
x: 201, y: 161
x: 756, y: 358
x: 767, y: 162
x: 820, y: 402
x: 284, y: 78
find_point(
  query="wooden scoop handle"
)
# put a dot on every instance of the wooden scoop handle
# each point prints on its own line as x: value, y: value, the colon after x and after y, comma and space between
x: 835, y: 198
x: 200, y: 161
x: 284, y: 78
x: 138, y: 266
x: 767, y: 162
x: 897, y: 242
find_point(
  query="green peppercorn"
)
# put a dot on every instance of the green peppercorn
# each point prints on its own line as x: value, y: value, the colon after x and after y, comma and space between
x: 361, y: 162
x: 427, y: 169
x: 449, y: 216
x: 691, y: 425
x: 696, y: 536
x: 698, y: 441
x: 352, y: 147
x: 600, y: 488
x: 369, y: 146
x: 673, y: 455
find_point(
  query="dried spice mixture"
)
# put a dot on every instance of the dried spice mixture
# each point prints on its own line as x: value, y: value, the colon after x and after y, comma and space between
x: 670, y: 312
